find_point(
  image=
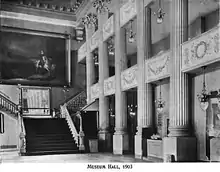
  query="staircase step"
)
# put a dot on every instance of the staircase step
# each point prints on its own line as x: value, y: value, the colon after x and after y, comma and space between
x: 41, y: 144
x: 52, y: 152
x: 53, y: 147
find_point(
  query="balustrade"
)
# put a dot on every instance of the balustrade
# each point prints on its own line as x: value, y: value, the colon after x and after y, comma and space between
x: 8, y: 105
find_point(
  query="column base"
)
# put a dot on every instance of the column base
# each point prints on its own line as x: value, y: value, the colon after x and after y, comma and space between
x: 104, y: 141
x: 179, y: 132
x: 120, y: 143
x: 183, y: 149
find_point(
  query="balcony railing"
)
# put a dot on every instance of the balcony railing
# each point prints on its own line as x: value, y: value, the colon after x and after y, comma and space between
x: 8, y: 105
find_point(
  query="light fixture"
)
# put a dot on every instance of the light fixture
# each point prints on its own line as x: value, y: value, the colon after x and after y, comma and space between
x: 160, y: 14
x: 96, y: 58
x: 160, y: 103
x: 112, y: 114
x: 65, y: 90
x: 131, y: 34
x: 79, y: 35
x: 101, y: 6
x: 111, y: 49
x: 204, y: 95
x: 89, y: 20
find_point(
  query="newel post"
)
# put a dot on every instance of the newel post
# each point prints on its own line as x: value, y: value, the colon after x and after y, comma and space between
x: 81, y: 133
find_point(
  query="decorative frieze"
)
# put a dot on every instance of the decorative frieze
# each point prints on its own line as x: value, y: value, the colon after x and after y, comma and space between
x: 94, y: 41
x: 109, y: 86
x: 45, y: 6
x: 82, y: 52
x: 127, y: 12
x: 94, y: 91
x: 158, y: 67
x: 201, y: 50
x: 108, y: 28
x: 129, y: 78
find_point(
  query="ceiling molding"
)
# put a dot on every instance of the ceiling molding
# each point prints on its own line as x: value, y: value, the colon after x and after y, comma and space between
x: 37, y: 19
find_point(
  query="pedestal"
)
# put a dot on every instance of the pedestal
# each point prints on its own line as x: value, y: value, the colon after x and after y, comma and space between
x: 104, y: 141
x: 138, y: 146
x: 182, y: 148
x: 120, y: 144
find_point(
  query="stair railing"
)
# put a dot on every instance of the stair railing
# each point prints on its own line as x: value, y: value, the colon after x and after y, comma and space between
x: 65, y: 113
x: 22, y: 136
x: 8, y: 105
x: 77, y: 102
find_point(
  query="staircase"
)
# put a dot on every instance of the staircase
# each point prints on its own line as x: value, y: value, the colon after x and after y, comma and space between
x: 77, y: 102
x: 49, y: 136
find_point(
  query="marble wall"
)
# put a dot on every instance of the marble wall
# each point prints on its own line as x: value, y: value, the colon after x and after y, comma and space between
x: 9, y: 139
x: 200, y: 116
x: 161, y: 118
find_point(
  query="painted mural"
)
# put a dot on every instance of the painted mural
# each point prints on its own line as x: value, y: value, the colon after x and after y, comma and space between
x: 32, y: 59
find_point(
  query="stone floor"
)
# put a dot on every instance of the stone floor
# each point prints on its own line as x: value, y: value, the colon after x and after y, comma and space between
x: 71, y: 158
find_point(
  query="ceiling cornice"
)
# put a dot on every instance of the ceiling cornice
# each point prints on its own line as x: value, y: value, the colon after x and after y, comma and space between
x: 37, y: 19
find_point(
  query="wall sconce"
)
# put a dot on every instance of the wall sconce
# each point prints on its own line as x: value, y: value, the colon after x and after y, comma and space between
x: 160, y: 103
x: 131, y: 34
x: 89, y: 20
x: 204, y: 95
x: 79, y: 35
x: 101, y: 5
x: 160, y: 14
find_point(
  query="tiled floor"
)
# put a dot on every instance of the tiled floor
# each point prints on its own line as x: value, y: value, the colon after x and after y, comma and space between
x: 71, y: 158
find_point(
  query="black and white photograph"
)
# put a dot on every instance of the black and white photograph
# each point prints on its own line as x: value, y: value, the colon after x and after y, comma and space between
x: 109, y: 85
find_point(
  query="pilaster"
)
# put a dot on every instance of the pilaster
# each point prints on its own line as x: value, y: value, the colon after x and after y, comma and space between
x: 68, y: 54
x: 90, y: 66
x: 120, y: 138
x: 104, y: 135
x: 144, y: 116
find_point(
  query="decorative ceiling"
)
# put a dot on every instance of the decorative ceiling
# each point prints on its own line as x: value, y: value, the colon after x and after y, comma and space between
x: 55, y: 5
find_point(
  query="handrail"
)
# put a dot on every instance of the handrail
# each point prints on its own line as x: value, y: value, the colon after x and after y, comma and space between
x: 82, y: 93
x: 71, y: 97
x: 8, y: 105
x: 65, y: 113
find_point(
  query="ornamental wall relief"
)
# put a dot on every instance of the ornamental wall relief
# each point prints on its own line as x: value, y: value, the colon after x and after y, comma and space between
x: 129, y: 78
x: 94, y: 41
x: 108, y: 28
x: 127, y: 12
x: 158, y: 66
x: 94, y: 91
x: 82, y: 52
x: 201, y: 50
x: 109, y: 86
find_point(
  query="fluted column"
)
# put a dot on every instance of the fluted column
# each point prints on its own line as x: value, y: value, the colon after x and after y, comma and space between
x: 179, y: 143
x: 104, y: 135
x: 179, y: 122
x: 90, y: 66
x: 120, y: 138
x: 144, y: 116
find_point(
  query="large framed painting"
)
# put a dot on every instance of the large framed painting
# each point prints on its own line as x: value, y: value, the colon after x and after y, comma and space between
x: 33, y: 59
